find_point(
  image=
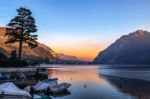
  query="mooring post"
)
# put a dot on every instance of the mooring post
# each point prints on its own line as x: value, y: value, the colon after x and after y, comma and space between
x: 37, y: 74
x: 2, y: 95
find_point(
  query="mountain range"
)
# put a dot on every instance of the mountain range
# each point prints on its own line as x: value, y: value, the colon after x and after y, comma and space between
x: 133, y: 48
x: 42, y: 53
x: 129, y: 49
x: 67, y: 57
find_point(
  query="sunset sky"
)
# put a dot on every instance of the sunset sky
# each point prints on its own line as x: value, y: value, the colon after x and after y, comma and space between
x: 81, y: 27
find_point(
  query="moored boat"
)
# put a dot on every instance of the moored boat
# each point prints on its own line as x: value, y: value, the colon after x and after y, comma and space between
x: 9, y: 90
x: 51, y: 86
x: 47, y: 83
x: 59, y: 87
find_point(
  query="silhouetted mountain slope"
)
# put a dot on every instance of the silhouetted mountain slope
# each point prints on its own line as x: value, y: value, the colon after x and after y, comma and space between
x: 129, y: 49
x: 41, y: 53
x: 2, y: 56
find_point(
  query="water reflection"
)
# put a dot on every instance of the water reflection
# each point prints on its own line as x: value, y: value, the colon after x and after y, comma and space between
x: 75, y: 76
x: 87, y: 83
x: 138, y: 88
x: 62, y: 94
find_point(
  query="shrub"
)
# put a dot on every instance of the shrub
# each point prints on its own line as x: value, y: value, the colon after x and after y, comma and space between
x: 13, y: 63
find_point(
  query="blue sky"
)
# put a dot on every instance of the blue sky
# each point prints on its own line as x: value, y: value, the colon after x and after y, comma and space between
x: 75, y: 25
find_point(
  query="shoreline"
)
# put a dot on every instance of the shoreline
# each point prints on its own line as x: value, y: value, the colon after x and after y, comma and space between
x: 31, y: 68
x: 22, y: 76
x: 18, y: 69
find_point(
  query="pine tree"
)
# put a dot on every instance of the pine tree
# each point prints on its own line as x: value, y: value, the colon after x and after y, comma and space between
x: 21, y: 29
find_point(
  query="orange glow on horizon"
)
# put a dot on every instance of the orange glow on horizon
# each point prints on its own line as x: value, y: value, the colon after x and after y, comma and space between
x: 86, y: 52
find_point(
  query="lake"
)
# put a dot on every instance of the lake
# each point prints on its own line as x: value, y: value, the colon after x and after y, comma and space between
x: 102, y: 82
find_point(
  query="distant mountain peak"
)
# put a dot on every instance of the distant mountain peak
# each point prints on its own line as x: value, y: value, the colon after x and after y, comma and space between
x: 140, y: 30
x: 140, y: 33
x: 67, y: 57
x: 129, y: 49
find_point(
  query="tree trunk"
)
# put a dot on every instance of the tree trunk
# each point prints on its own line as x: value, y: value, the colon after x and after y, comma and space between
x: 20, y: 42
x: 20, y: 50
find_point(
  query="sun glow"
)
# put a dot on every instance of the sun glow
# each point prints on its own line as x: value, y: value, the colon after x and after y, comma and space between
x: 83, y: 51
x: 85, y: 47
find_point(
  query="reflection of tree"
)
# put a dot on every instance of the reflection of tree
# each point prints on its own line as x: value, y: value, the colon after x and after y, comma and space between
x: 138, y: 88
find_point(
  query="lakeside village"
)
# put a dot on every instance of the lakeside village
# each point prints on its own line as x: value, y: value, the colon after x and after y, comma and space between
x: 19, y: 78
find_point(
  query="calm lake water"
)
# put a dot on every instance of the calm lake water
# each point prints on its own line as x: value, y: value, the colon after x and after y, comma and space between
x: 98, y: 82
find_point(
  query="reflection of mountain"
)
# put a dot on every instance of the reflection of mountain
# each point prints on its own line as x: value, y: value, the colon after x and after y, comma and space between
x: 138, y: 88
x: 129, y: 49
x: 75, y: 74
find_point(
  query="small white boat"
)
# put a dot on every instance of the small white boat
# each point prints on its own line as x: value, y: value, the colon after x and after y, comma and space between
x: 42, y: 86
x: 60, y: 87
x: 51, y: 85
x: 8, y: 89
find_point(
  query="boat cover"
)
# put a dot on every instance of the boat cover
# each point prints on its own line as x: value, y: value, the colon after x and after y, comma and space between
x: 50, y: 80
x: 60, y: 87
x: 9, y: 88
x: 45, y: 84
